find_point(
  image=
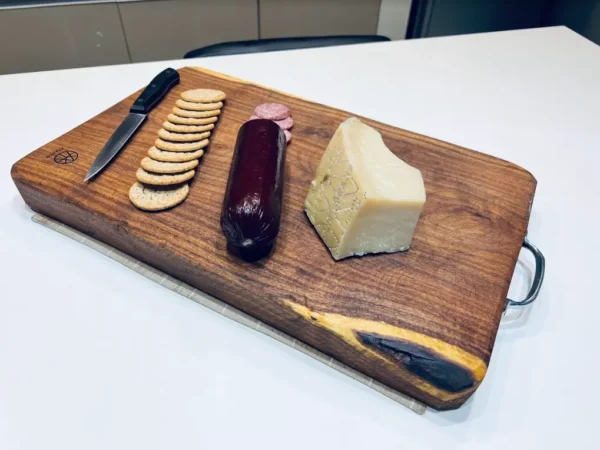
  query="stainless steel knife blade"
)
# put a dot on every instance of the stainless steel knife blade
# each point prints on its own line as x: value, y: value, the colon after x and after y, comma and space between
x: 116, y: 142
x: 148, y: 99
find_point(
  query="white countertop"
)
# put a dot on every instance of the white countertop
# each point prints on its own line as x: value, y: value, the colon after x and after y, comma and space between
x: 94, y: 356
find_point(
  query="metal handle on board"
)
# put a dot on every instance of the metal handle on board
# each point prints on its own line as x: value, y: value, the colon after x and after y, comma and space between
x: 538, y: 278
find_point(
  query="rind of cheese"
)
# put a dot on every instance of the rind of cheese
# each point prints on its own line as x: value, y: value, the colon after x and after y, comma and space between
x: 364, y: 199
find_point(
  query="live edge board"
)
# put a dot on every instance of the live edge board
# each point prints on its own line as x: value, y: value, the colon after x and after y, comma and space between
x: 423, y: 322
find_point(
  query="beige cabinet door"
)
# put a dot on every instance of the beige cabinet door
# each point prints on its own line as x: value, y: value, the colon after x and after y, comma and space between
x: 168, y: 29
x: 58, y: 37
x: 289, y: 18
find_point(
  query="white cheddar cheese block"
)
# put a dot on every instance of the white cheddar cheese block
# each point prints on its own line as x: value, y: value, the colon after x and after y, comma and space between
x: 364, y: 199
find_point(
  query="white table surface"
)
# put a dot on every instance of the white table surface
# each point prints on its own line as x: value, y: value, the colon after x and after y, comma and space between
x: 94, y: 356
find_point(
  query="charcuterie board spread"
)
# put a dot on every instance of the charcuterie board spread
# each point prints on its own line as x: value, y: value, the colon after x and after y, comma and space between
x: 386, y: 250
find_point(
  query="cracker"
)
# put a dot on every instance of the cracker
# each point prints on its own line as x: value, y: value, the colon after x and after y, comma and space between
x: 151, y: 198
x: 189, y: 120
x: 191, y: 106
x: 182, y: 137
x: 175, y: 128
x: 166, y: 156
x: 150, y: 165
x: 203, y: 95
x: 163, y: 180
x: 196, y: 114
x: 180, y: 146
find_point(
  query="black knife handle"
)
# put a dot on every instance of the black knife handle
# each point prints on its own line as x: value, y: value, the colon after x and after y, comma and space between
x: 155, y: 91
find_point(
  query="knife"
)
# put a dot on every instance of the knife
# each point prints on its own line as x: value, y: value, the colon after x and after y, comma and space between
x: 154, y: 92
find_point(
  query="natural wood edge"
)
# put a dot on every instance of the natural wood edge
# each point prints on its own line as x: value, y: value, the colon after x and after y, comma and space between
x: 421, y: 360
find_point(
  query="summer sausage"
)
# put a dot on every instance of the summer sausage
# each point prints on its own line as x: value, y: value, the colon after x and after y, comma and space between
x: 252, y: 204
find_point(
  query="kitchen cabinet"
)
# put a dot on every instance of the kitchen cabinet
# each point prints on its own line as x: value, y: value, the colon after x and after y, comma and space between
x: 78, y: 34
x: 58, y: 37
x: 287, y: 18
x: 167, y: 29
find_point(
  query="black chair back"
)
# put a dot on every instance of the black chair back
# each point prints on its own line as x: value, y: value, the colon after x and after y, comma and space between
x: 278, y: 44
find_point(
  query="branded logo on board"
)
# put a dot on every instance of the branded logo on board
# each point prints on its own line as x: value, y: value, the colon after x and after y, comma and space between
x: 64, y: 156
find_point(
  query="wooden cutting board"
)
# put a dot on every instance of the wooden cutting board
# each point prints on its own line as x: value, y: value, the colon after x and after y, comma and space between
x: 422, y: 322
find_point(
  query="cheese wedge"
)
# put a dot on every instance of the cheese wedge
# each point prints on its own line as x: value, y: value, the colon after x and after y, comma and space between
x: 364, y: 199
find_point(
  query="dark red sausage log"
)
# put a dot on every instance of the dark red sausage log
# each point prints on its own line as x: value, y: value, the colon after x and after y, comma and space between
x: 252, y: 204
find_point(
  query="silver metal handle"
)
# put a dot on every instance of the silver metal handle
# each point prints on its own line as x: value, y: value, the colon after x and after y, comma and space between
x: 538, y: 278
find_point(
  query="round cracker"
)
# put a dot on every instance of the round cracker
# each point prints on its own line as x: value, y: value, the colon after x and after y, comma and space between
x: 180, y: 146
x: 182, y: 137
x: 203, y: 95
x: 151, y: 198
x: 191, y: 106
x: 190, y: 121
x: 150, y: 165
x: 288, y: 136
x: 196, y: 114
x: 175, y: 128
x: 167, y: 156
x: 163, y: 180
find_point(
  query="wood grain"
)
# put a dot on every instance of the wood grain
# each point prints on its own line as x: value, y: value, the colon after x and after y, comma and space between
x: 423, y: 322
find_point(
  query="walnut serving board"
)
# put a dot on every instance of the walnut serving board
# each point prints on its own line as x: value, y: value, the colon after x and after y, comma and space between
x: 422, y: 322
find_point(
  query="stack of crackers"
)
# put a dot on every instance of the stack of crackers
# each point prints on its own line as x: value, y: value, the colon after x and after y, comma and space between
x: 165, y: 174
